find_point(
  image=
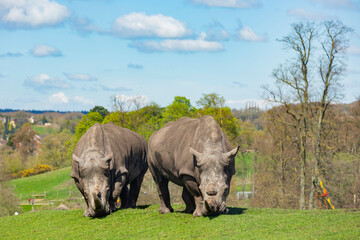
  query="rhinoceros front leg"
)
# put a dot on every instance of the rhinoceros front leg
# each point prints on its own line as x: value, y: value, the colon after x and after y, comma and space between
x: 118, y: 186
x: 192, y: 186
x: 189, y: 201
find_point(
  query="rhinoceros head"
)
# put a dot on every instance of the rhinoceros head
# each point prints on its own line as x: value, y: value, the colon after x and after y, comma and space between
x: 214, y: 181
x: 94, y: 175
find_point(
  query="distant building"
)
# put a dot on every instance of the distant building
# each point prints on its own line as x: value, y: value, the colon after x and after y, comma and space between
x: 31, y: 120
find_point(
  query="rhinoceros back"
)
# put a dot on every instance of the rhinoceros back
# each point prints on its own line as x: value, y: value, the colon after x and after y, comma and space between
x: 171, y: 145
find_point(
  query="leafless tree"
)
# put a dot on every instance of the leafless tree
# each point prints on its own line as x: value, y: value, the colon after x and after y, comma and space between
x: 333, y: 43
x: 297, y: 84
x: 292, y: 90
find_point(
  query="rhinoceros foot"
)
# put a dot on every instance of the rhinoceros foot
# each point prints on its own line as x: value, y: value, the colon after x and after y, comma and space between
x: 165, y: 210
x: 188, y: 210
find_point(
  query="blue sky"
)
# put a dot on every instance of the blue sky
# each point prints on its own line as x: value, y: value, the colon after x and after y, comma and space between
x: 75, y: 54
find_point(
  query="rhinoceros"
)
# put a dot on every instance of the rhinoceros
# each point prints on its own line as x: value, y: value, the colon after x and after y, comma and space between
x: 194, y: 154
x: 106, y: 159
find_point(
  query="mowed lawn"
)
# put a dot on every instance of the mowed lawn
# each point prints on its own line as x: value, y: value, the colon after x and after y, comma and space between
x: 146, y: 223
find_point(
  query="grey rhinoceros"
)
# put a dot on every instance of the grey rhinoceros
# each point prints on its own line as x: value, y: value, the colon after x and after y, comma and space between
x: 194, y: 154
x: 106, y: 159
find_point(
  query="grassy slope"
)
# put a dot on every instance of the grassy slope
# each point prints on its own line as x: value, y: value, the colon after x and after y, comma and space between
x: 146, y: 223
x: 56, y: 184
x: 42, y: 130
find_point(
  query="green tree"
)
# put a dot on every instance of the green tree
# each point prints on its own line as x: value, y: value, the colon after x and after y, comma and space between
x: 213, y: 104
x: 2, y: 128
x: 24, y: 140
x: 54, y: 149
x: 211, y: 100
x: 44, y: 120
x: 179, y: 108
x: 10, y: 142
x: 85, y: 123
x: 100, y: 109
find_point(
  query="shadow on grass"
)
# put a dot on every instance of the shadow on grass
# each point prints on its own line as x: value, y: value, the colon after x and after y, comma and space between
x: 143, y: 206
x: 232, y: 211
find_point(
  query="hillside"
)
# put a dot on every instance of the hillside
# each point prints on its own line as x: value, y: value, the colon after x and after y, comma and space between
x: 146, y: 223
x: 57, y: 185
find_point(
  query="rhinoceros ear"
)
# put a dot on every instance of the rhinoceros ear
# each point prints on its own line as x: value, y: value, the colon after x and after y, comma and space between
x: 197, y: 156
x: 76, y: 159
x: 107, y: 158
x: 230, y: 155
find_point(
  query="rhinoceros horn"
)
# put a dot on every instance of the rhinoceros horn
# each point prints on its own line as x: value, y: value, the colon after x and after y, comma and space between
x: 97, y: 201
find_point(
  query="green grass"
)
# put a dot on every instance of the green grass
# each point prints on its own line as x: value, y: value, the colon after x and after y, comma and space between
x: 42, y: 130
x: 147, y: 223
x: 248, y: 187
x: 244, y: 164
x: 57, y: 185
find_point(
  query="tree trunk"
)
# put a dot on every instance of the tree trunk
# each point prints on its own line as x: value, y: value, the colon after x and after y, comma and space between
x: 317, y: 156
x: 357, y: 177
x: 302, y: 171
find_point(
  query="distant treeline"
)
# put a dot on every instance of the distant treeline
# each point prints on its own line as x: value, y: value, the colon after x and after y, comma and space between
x: 7, y: 110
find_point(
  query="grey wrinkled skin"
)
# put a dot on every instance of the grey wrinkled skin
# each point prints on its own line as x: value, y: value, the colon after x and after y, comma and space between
x: 106, y: 159
x: 194, y: 154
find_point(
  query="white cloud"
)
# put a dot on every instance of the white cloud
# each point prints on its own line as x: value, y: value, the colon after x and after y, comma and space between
x: 176, y: 45
x: 83, y: 100
x: 85, y: 26
x: 229, y: 3
x: 45, y: 51
x: 306, y: 15
x: 80, y: 77
x: 216, y: 32
x: 59, y: 98
x: 141, y: 25
x: 247, y: 34
x: 344, y: 4
x: 44, y: 82
x: 32, y: 13
x: 353, y: 50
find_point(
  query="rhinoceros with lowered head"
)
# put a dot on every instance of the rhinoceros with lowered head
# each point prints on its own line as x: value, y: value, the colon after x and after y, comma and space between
x: 194, y: 154
x: 106, y: 159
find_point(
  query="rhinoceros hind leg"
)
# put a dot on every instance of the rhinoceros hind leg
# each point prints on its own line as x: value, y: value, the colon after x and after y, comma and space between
x: 162, y: 185
x: 135, y: 187
x: 124, y: 196
x: 189, y: 201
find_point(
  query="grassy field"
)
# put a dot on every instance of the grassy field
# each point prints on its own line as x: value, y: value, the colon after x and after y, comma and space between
x: 146, y: 223
x: 42, y: 130
x: 56, y: 184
